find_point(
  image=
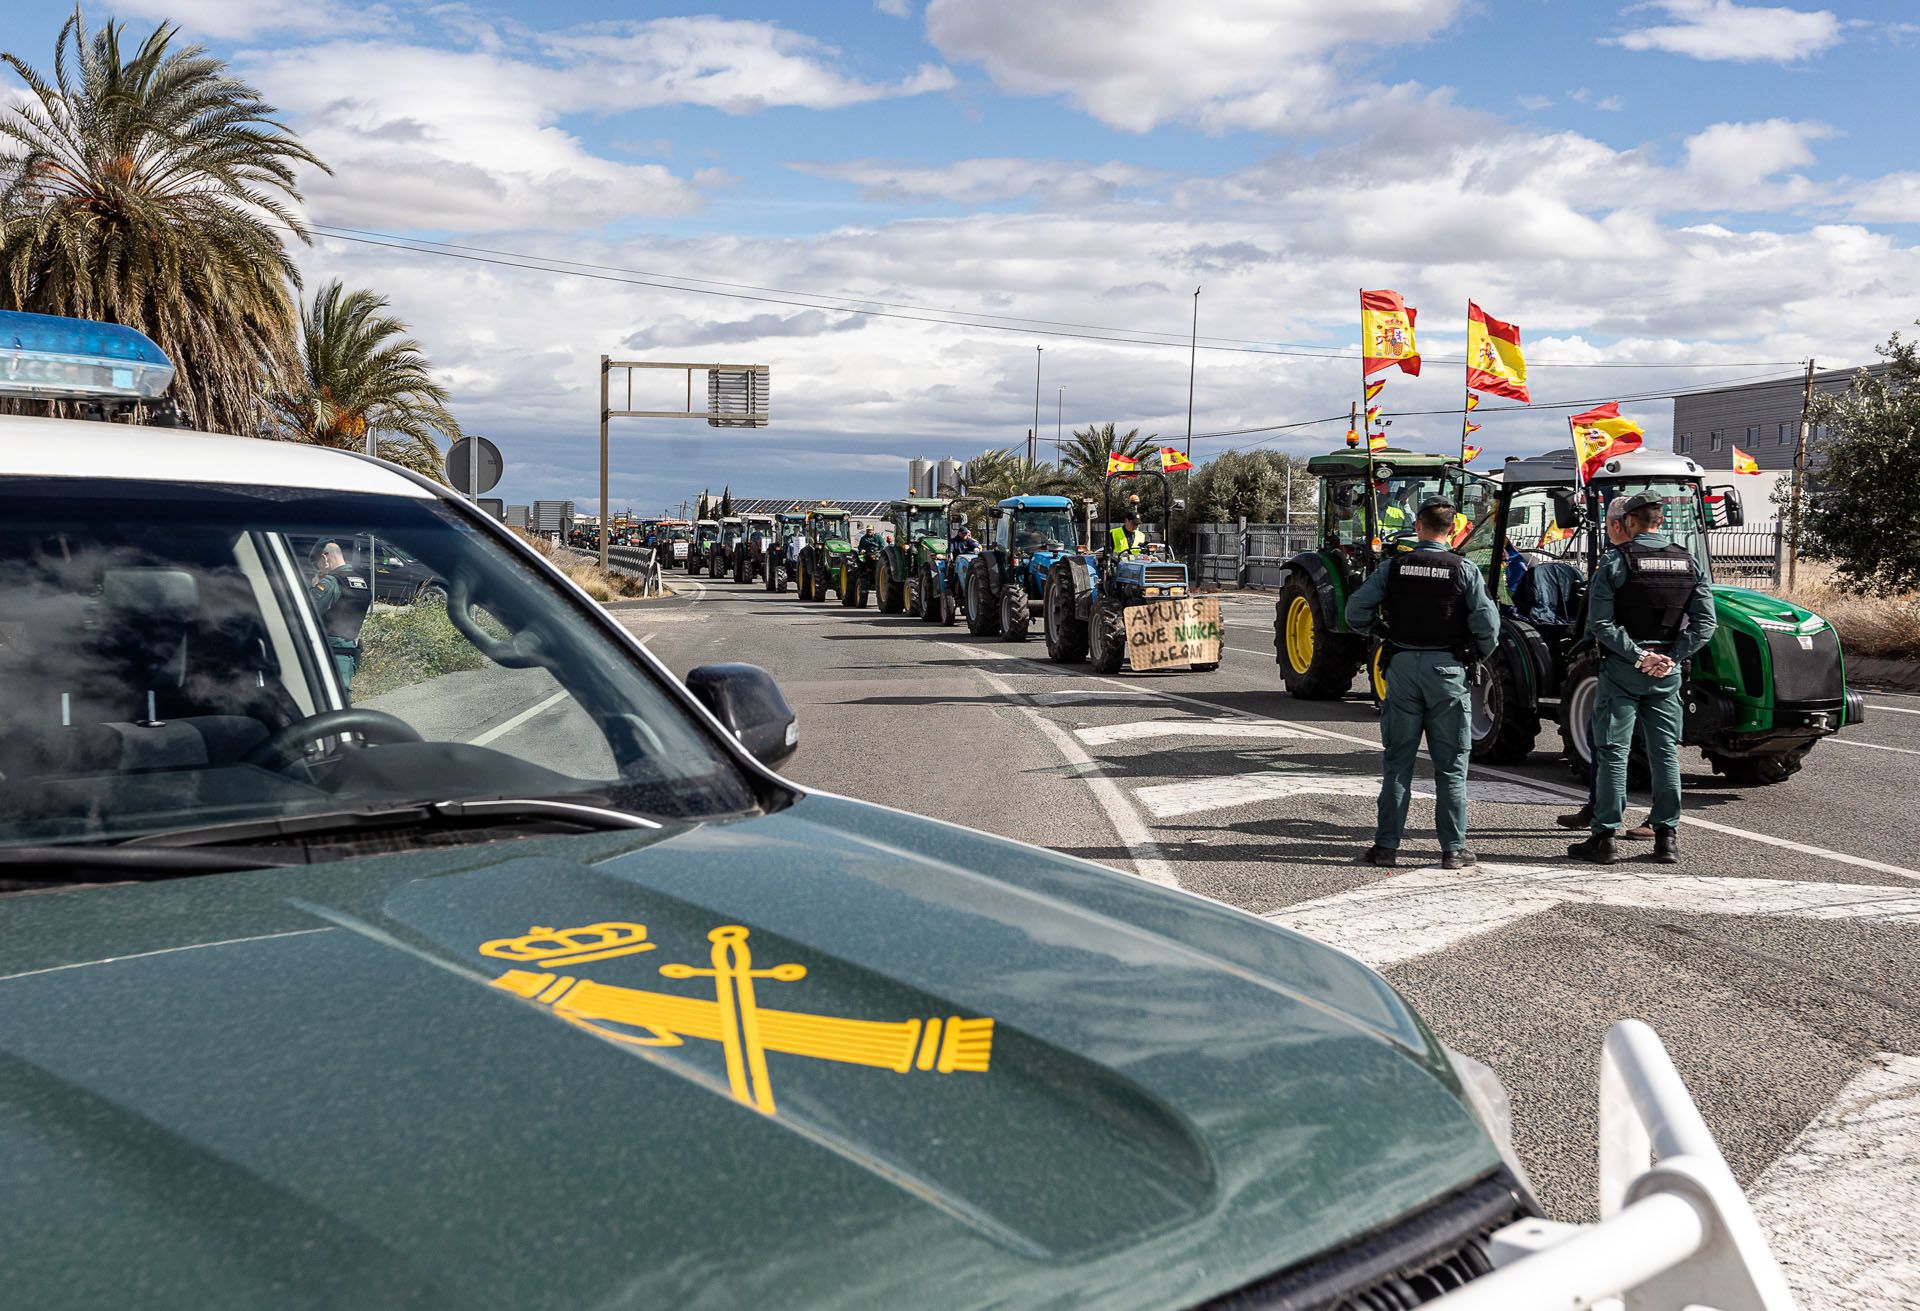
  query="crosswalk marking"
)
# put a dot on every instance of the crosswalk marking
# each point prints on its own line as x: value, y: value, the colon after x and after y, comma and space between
x: 1841, y: 1205
x: 1408, y: 915
x: 1166, y: 800
x: 1188, y: 727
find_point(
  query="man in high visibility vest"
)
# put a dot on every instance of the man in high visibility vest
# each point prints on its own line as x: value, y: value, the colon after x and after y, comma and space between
x: 1127, y: 539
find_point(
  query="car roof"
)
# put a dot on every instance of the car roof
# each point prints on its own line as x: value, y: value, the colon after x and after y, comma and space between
x: 1355, y: 461
x: 918, y: 503
x: 84, y: 448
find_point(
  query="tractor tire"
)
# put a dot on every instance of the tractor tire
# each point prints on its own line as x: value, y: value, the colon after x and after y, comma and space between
x: 1761, y: 770
x: 929, y: 598
x: 1502, y: 731
x: 983, y: 617
x: 1315, y: 663
x: 1205, y: 667
x: 1106, y: 638
x: 853, y: 589
x: 1576, y: 725
x: 715, y: 566
x: 1016, y: 613
x: 1066, y: 634
x: 946, y: 609
x: 892, y: 596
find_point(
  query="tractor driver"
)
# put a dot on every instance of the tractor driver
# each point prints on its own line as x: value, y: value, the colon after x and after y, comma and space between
x: 342, y: 598
x: 1128, y: 539
x: 963, y: 541
x: 870, y: 541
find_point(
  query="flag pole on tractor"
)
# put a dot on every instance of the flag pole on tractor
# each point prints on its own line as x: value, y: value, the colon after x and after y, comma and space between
x: 1495, y: 365
x: 1386, y: 341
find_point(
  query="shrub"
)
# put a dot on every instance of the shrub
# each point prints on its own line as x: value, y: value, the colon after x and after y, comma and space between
x: 402, y: 645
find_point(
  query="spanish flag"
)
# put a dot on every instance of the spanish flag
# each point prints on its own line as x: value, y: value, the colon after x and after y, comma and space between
x: 1474, y: 427
x: 1473, y: 402
x: 1555, y: 533
x: 1744, y: 463
x: 1172, y: 461
x: 1374, y: 389
x: 1600, y: 434
x: 1376, y: 441
x: 1386, y: 333
x: 1125, y: 464
x: 1494, y: 361
x: 1469, y: 453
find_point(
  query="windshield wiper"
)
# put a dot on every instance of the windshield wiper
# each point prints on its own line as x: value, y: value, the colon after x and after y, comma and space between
x: 120, y: 864
x: 477, y: 811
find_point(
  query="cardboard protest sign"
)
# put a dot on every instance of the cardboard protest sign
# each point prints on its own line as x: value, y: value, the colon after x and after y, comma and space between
x: 1167, y: 634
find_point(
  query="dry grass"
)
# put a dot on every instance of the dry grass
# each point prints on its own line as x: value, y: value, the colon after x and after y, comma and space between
x: 1887, y: 626
x: 600, y: 584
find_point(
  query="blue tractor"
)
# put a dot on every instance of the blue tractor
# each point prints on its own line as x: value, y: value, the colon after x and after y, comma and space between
x: 1088, y: 598
x: 997, y: 586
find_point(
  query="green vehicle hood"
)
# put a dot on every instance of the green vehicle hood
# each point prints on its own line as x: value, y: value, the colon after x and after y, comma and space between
x: 1757, y: 608
x: 836, y: 546
x: 932, y: 545
x: 312, y: 1087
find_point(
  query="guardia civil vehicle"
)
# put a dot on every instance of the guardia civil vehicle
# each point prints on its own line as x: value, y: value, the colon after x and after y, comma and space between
x: 516, y: 976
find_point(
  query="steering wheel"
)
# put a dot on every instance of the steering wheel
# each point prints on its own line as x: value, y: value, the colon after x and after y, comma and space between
x: 284, y: 746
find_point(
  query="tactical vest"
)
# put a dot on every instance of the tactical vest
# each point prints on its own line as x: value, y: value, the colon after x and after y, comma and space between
x: 344, y: 618
x: 1652, y: 604
x: 1426, y: 601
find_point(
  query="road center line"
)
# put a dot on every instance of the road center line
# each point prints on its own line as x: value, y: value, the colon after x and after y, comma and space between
x: 1134, y: 835
x: 1575, y: 794
x: 1872, y: 746
x: 499, y: 731
x: 1897, y: 710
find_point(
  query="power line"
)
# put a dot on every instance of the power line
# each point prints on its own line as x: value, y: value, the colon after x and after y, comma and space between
x: 922, y: 314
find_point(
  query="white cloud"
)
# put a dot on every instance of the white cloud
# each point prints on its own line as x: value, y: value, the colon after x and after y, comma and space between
x: 241, y: 19
x: 895, y: 8
x: 1722, y: 29
x: 1894, y: 198
x: 984, y: 181
x: 1732, y: 158
x: 1134, y: 64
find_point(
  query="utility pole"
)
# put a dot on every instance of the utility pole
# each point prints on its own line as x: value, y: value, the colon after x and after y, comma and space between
x: 605, y: 517
x: 1059, y: 407
x: 1033, y: 433
x: 1193, y: 355
x: 1799, y: 477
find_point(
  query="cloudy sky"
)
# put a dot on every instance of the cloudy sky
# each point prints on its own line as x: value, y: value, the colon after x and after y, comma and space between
x: 1703, y: 190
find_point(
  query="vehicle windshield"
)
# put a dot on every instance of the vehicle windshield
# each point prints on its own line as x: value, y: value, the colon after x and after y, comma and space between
x: 675, y: 534
x: 1397, y: 500
x: 165, y: 649
x: 1033, y: 530
x: 926, y: 523
x: 830, y: 526
x: 707, y: 533
x: 1682, y: 522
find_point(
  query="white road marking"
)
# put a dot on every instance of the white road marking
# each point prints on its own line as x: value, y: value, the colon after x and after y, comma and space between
x: 1898, y: 710
x: 1134, y: 835
x: 1106, y: 733
x: 1871, y: 746
x: 1841, y: 1205
x: 499, y: 731
x: 1575, y: 794
x: 1166, y: 800
x: 1085, y: 695
x: 1396, y: 919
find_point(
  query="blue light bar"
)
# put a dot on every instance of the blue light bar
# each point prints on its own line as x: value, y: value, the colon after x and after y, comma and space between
x: 52, y: 358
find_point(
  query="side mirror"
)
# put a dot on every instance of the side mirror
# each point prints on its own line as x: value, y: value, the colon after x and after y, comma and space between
x: 1732, y: 513
x: 1473, y: 494
x: 1566, y: 507
x: 746, y: 700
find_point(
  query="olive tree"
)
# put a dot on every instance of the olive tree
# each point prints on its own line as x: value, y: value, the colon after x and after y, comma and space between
x: 1857, y: 511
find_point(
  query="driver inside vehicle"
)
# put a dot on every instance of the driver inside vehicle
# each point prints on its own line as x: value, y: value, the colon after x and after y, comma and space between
x: 165, y: 667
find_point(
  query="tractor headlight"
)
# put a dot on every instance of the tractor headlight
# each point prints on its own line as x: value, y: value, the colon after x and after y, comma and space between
x: 1487, y: 1098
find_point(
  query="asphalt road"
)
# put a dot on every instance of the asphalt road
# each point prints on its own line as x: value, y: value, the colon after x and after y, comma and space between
x: 1780, y: 960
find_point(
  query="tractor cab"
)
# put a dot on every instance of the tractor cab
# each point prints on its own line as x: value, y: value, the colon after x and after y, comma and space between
x: 829, y: 525
x: 1026, y: 526
x: 905, y: 578
x: 706, y: 532
x: 919, y: 519
x: 732, y: 529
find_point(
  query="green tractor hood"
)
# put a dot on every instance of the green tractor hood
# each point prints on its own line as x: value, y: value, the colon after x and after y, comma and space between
x: 836, y: 546
x: 1753, y: 610
x: 507, y: 1076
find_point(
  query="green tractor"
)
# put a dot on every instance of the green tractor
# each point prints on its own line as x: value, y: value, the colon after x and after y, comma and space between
x: 1367, y: 506
x: 1770, y: 684
x: 829, y: 561
x: 903, y: 578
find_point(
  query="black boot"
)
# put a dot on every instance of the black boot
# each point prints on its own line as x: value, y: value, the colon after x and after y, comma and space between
x: 1596, y: 850
x: 1461, y: 859
x: 1382, y: 857
x: 1666, y: 845
x: 1579, y: 819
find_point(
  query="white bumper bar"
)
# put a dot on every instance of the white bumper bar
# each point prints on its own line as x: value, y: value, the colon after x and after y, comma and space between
x: 1675, y: 1230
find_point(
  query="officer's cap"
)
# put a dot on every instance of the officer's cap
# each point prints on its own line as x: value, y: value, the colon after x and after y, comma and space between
x: 1643, y: 501
x: 1617, y: 508
x: 1133, y: 515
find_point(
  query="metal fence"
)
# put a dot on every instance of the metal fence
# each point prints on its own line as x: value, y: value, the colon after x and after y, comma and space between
x: 1250, y: 555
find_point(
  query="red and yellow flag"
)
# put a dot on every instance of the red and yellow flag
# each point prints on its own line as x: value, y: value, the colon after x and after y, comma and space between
x: 1122, y: 464
x: 1373, y: 413
x: 1469, y: 453
x: 1555, y: 533
x: 1473, y: 402
x: 1473, y: 428
x: 1172, y: 461
x: 1744, y: 463
x: 1600, y: 434
x: 1374, y: 389
x: 1376, y: 441
x: 1386, y: 333
x: 1494, y: 361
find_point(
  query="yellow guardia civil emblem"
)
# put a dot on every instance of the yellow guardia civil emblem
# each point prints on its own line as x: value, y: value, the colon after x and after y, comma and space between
x: 734, y: 1018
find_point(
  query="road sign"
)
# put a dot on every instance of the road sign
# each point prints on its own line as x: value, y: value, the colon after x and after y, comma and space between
x: 474, y: 466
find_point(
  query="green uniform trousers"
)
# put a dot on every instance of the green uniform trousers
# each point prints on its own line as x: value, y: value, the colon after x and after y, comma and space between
x: 1620, y: 701
x: 1426, y: 693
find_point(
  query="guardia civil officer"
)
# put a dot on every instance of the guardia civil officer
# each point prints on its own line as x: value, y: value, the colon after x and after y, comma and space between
x: 342, y: 597
x: 1649, y: 610
x: 1432, y: 608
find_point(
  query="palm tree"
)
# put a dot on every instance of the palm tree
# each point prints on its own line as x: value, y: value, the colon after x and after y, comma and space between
x: 155, y: 192
x: 1084, y: 461
x: 359, y: 373
x: 995, y: 475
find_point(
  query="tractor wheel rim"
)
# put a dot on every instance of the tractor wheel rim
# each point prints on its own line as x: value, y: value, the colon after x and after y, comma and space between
x: 1379, y: 677
x: 1578, y: 709
x: 1300, y: 635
